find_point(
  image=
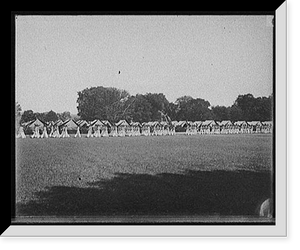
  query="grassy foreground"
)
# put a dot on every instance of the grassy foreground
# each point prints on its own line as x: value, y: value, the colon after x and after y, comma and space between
x: 167, y: 175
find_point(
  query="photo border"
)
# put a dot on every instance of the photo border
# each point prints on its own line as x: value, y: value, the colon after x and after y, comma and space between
x: 280, y: 227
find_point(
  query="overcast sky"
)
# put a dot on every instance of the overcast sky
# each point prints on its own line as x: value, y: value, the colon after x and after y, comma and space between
x: 211, y: 57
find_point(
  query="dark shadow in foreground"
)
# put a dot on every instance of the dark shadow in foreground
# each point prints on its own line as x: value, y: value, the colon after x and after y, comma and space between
x: 225, y: 193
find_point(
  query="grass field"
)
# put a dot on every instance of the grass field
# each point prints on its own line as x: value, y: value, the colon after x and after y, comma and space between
x: 166, y: 175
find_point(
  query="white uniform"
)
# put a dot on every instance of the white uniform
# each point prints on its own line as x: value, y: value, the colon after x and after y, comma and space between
x: 66, y: 131
x: 44, y: 134
x: 90, y: 132
x: 113, y: 132
x: 97, y: 133
x: 104, y: 132
x: 56, y: 134
x: 51, y: 132
x: 36, y: 133
x: 78, y: 132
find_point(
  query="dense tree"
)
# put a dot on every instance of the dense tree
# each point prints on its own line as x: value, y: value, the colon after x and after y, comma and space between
x: 28, y: 115
x: 51, y: 116
x: 64, y: 115
x: 246, y: 104
x: 139, y: 109
x: 254, y: 109
x: 262, y: 109
x: 40, y: 116
x: 172, y: 112
x: 220, y: 113
x: 182, y: 107
x: 183, y: 100
x: 192, y: 109
x: 158, y: 103
x: 115, y: 104
x: 100, y: 102
x: 235, y: 113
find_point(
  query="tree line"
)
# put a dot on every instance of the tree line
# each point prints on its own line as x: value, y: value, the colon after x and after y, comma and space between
x: 108, y: 103
x: 115, y: 104
x: 29, y: 115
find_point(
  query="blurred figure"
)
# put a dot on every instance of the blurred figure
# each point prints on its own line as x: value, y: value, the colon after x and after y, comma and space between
x: 90, y: 132
x: 44, y: 134
x: 21, y: 133
x: 266, y: 208
x: 78, y: 132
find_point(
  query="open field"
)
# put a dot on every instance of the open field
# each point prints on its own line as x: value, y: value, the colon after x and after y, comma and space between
x: 165, y: 175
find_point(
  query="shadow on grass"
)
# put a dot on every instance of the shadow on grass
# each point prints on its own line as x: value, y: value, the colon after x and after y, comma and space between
x: 192, y: 193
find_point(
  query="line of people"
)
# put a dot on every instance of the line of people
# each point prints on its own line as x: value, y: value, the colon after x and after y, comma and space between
x: 98, y: 131
x: 54, y: 133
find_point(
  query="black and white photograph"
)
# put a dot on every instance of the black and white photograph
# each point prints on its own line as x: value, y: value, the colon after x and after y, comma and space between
x: 145, y: 119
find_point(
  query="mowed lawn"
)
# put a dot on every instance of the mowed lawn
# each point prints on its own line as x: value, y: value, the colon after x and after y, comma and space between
x: 163, y: 175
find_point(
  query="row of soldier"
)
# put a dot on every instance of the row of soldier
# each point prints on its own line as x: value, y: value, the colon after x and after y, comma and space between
x: 123, y: 128
x: 212, y: 130
x: 54, y: 133
x: 100, y: 132
x: 92, y: 132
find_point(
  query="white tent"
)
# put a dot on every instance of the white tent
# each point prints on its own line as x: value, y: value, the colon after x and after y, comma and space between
x: 96, y: 123
x: 267, y: 126
x: 209, y: 123
x: 36, y: 123
x: 255, y: 126
x: 70, y: 124
x: 182, y: 123
x: 241, y: 127
x: 209, y: 126
x: 145, y: 128
x: 135, y: 128
x: 226, y: 127
x: 123, y: 128
x: 107, y: 123
x: 36, y: 126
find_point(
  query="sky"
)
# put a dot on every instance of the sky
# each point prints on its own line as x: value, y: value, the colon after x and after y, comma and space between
x: 215, y: 58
